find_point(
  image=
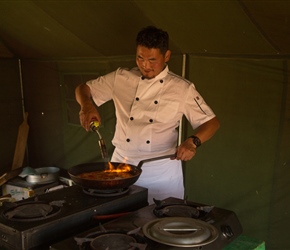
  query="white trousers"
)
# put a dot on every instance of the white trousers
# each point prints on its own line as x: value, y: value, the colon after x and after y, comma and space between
x: 163, y: 178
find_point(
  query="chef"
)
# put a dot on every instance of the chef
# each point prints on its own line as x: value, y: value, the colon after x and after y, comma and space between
x: 149, y: 102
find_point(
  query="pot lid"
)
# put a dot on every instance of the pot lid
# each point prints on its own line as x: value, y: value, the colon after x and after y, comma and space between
x: 180, y: 232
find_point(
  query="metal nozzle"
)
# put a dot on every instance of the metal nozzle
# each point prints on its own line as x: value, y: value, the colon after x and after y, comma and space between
x: 104, y: 151
x: 94, y: 126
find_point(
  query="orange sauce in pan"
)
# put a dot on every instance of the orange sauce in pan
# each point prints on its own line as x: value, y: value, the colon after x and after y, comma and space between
x: 102, y: 175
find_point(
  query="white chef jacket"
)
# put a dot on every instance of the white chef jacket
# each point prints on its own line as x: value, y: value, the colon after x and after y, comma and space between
x: 148, y: 112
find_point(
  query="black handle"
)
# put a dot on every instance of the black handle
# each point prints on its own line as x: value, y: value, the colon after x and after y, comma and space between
x: 155, y: 159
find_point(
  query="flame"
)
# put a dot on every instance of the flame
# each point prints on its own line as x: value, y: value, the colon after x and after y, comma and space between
x: 122, y: 167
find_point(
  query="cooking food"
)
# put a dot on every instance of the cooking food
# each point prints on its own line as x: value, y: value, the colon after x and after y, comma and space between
x: 105, y: 175
x: 78, y: 174
x: 122, y: 171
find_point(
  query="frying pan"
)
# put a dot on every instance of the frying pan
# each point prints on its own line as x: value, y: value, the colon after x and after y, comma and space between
x: 108, y: 184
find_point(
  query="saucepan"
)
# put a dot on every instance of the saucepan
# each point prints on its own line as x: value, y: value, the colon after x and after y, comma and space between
x: 43, y: 175
x: 109, y: 184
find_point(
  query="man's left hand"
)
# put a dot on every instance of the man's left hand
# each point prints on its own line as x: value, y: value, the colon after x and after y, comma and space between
x: 186, y: 150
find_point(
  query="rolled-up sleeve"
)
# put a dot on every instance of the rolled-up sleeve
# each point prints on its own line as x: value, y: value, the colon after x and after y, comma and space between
x: 102, y: 88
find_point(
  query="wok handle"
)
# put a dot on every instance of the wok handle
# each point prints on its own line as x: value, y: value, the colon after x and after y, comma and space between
x: 155, y: 159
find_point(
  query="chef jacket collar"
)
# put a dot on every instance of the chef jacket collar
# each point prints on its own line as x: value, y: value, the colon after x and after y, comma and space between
x: 161, y: 75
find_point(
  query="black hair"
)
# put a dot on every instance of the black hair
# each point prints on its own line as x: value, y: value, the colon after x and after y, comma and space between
x: 152, y: 37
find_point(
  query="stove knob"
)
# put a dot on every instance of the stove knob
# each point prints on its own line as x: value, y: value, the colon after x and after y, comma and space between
x: 227, y: 231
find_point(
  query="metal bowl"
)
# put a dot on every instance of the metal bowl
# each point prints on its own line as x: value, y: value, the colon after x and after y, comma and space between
x: 43, y: 175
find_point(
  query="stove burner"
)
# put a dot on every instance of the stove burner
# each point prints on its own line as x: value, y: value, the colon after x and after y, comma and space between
x: 177, y: 211
x: 112, y: 239
x: 105, y: 192
x: 163, y: 209
x: 32, y: 211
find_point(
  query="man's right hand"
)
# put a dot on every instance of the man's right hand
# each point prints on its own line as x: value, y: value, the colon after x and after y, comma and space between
x: 87, y: 115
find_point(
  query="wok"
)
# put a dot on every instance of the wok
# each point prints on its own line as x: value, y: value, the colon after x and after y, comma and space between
x: 106, y: 184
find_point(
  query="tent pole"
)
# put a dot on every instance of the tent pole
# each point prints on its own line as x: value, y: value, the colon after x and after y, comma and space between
x: 21, y: 88
x: 22, y: 103
x: 180, y: 129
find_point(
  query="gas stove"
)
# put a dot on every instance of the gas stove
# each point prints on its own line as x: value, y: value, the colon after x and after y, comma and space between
x: 221, y: 226
x: 37, y: 222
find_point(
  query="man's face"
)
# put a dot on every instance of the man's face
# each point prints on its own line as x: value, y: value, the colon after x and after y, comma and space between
x: 151, y: 61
